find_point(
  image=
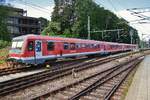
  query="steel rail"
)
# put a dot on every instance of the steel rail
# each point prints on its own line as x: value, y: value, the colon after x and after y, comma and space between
x: 97, y: 84
x: 62, y: 88
x: 23, y: 82
x: 115, y: 87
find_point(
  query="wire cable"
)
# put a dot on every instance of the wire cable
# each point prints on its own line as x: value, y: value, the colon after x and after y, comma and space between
x: 34, y: 6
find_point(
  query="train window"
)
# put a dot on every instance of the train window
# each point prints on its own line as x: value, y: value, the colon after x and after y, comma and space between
x: 87, y: 45
x: 112, y: 46
x: 50, y: 46
x: 72, y: 46
x: 92, y: 45
x: 66, y: 46
x: 77, y: 45
x: 95, y: 46
x: 80, y: 45
x: 30, y: 46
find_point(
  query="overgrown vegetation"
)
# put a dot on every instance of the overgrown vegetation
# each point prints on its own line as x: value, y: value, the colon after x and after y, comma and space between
x: 70, y: 20
x: 4, y: 34
x: 3, y: 55
x: 4, y: 43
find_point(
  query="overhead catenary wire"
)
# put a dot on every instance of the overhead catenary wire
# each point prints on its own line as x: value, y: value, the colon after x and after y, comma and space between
x: 30, y: 3
x: 139, y: 12
x: 115, y: 9
x: 34, y: 6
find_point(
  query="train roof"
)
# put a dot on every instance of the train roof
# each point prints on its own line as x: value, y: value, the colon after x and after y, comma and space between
x: 32, y: 36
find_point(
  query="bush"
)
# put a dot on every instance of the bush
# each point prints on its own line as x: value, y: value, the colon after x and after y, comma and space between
x: 3, y: 55
x: 4, y: 44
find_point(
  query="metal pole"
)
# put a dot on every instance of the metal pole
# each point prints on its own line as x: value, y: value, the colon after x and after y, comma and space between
x: 148, y: 43
x: 102, y: 35
x: 142, y: 41
x: 131, y: 34
x: 118, y: 35
x: 40, y: 26
x: 89, y: 33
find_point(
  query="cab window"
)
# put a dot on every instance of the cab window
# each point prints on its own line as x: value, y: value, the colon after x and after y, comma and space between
x: 30, y: 46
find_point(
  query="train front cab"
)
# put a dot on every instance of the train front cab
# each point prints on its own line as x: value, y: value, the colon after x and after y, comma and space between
x: 41, y: 51
x: 26, y: 51
x: 16, y: 50
x: 34, y: 52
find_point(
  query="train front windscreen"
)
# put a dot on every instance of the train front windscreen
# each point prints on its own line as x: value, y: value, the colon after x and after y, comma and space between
x: 16, y: 46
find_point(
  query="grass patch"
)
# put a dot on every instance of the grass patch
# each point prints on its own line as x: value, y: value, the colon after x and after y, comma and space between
x: 2, y: 61
x: 3, y: 55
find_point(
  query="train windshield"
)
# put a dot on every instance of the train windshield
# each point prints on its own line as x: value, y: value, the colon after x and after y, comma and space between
x: 16, y: 46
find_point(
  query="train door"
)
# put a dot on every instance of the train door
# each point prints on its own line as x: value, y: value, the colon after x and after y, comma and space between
x: 38, y: 49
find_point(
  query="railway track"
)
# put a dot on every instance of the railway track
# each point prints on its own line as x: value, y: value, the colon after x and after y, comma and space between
x: 54, y: 66
x: 24, y: 82
x: 13, y: 70
x: 23, y: 68
x: 101, y: 85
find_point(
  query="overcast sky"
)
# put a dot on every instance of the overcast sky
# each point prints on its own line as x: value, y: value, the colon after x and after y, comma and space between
x: 117, y: 6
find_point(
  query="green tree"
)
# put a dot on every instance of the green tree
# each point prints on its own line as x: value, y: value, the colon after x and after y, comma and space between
x: 44, y: 23
x: 4, y: 34
x: 53, y: 28
x: 72, y: 21
x: 64, y: 14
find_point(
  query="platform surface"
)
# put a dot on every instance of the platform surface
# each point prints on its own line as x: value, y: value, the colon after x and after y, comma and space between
x: 140, y: 87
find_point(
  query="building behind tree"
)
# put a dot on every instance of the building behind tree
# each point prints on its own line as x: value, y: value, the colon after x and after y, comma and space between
x: 18, y: 23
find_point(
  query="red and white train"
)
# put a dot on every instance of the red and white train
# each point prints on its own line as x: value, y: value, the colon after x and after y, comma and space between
x: 36, y: 49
